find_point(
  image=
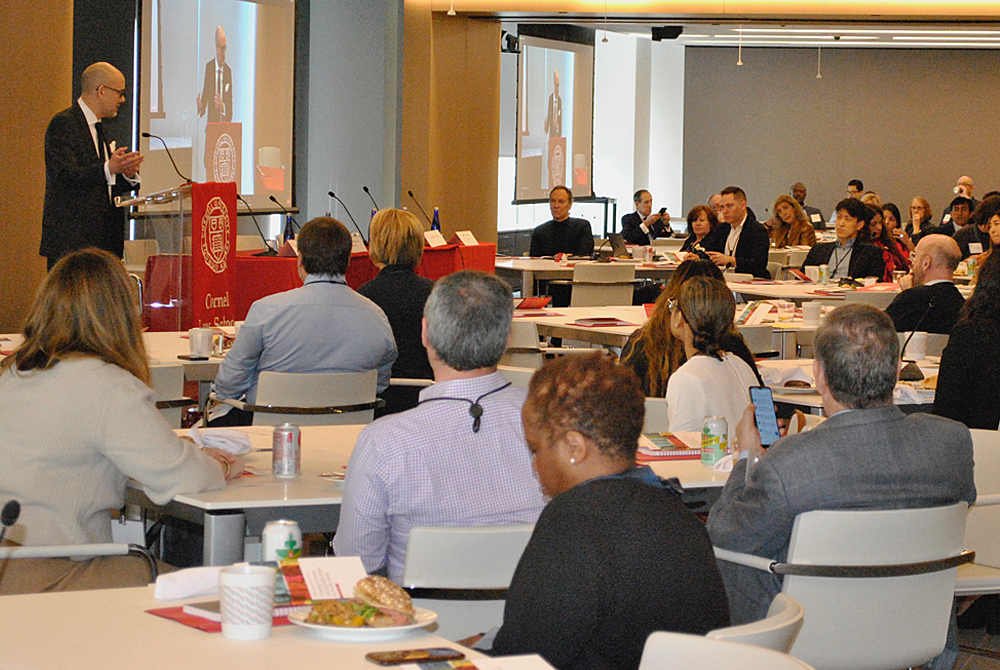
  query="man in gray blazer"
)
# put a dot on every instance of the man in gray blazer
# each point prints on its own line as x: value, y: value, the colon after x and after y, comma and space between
x: 867, y: 454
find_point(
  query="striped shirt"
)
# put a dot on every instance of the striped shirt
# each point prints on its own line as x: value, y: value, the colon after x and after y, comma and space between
x: 426, y: 467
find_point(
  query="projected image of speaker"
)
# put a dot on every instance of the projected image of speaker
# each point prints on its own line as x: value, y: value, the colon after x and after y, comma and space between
x: 555, y: 112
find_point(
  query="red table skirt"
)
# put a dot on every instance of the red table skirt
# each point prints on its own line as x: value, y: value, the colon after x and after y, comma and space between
x: 260, y: 276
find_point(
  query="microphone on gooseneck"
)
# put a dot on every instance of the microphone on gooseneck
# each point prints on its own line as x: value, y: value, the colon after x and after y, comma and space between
x: 369, y: 194
x: 911, y: 372
x: 270, y: 251
x: 596, y: 256
x: 164, y: 143
x: 289, y: 220
x: 8, y: 517
x: 334, y: 196
x: 421, y: 208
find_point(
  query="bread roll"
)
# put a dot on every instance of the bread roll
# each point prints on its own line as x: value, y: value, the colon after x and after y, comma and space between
x: 381, y: 592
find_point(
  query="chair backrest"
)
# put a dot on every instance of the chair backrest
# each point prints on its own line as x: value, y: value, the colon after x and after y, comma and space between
x: 981, y: 525
x: 325, y: 389
x: 464, y: 557
x: 657, y: 420
x: 796, y: 257
x: 524, y: 349
x: 167, y: 382
x: 517, y: 376
x: 759, y: 338
x: 936, y: 342
x: 774, y: 269
x: 136, y: 252
x: 269, y: 157
x: 777, y: 631
x: 880, y: 299
x: 737, y: 276
x: 874, y: 623
x: 249, y: 243
x: 679, y: 651
x: 597, y: 284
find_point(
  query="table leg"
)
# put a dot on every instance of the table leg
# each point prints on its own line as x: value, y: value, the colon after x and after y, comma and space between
x: 527, y: 283
x: 224, y: 532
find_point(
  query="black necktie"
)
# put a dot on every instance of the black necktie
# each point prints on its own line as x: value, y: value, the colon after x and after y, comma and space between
x: 102, y: 141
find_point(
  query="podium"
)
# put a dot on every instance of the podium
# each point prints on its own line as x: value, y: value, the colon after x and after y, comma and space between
x: 557, y: 162
x: 223, y: 152
x: 189, y: 277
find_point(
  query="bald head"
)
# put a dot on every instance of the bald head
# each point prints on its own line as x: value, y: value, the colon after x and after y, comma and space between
x: 935, y: 257
x: 220, y: 45
x: 102, y: 87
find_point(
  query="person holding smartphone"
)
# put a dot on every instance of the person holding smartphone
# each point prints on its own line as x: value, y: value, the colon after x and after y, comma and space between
x: 644, y: 225
x: 867, y: 454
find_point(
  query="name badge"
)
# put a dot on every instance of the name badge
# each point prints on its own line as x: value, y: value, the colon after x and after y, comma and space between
x: 816, y: 217
x: 947, y: 218
x: 975, y: 247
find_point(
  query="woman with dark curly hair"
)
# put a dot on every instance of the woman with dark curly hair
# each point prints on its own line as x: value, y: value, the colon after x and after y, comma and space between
x: 712, y: 382
x: 615, y: 555
x: 970, y: 364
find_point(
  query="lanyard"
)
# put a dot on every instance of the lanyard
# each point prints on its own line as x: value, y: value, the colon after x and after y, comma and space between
x: 841, y: 258
x: 475, y: 409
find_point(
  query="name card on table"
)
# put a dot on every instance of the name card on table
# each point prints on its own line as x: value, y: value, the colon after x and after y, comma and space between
x: 322, y: 578
x: 465, y: 238
x: 290, y: 249
x: 358, y: 244
x: 434, y: 238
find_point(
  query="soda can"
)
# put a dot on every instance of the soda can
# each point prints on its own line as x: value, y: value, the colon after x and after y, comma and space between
x: 824, y: 274
x: 714, y: 439
x: 647, y: 254
x: 281, y: 540
x: 286, y: 451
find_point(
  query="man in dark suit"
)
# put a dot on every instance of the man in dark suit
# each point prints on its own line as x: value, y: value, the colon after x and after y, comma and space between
x: 644, y: 225
x: 217, y: 92
x: 849, y: 257
x: 563, y: 234
x: 867, y: 454
x: 84, y: 171
x: 814, y: 213
x: 964, y: 189
x: 746, y: 241
x: 930, y: 302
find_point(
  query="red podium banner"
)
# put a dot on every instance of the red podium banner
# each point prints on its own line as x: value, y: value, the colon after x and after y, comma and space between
x: 213, y: 254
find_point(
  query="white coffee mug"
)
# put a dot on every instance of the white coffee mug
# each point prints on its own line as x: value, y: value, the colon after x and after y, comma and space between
x: 246, y: 601
x: 200, y: 340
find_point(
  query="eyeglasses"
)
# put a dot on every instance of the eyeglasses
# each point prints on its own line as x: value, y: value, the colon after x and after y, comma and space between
x: 671, y: 304
x: 121, y: 93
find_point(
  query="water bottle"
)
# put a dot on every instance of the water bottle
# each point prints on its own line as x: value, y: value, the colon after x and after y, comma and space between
x: 436, y: 220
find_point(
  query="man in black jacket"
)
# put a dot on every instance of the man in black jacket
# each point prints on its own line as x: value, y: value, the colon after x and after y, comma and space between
x: 746, y: 241
x: 849, y: 257
x: 930, y: 301
x: 562, y: 235
x: 644, y: 225
x: 84, y: 170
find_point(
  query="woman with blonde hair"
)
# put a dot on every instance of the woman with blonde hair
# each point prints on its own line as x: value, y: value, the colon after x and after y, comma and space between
x: 396, y: 248
x: 79, y: 420
x: 789, y: 225
x: 653, y: 353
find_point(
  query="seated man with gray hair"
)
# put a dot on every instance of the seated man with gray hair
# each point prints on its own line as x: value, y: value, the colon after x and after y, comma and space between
x: 457, y: 459
x: 866, y: 455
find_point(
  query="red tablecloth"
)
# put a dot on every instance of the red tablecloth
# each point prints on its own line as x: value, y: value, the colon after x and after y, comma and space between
x: 260, y: 276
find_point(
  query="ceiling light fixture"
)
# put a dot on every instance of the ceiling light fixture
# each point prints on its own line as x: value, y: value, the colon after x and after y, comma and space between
x: 739, y: 58
x: 451, y: 9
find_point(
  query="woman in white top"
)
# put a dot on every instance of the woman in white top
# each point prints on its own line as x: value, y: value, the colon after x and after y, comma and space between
x: 78, y: 421
x: 712, y: 382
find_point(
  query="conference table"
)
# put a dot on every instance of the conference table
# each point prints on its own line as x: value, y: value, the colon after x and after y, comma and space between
x: 97, y: 630
x: 240, y: 510
x: 526, y: 270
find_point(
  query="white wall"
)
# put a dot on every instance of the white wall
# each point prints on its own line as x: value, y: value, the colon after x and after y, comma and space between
x: 666, y: 131
x: 352, y: 137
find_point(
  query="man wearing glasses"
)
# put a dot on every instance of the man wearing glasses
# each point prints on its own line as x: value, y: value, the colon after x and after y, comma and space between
x: 84, y: 170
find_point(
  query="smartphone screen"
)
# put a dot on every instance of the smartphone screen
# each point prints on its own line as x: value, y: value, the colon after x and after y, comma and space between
x: 767, y: 422
x: 414, y: 656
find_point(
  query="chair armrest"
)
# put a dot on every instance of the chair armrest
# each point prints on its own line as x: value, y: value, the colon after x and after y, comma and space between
x: 767, y: 354
x: 845, y: 571
x: 332, y: 409
x: 215, y: 400
x: 404, y: 381
x: 83, y: 551
x: 180, y: 402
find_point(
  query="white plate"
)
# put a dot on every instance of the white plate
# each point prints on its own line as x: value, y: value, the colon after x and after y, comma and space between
x: 793, y: 389
x: 423, y: 617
